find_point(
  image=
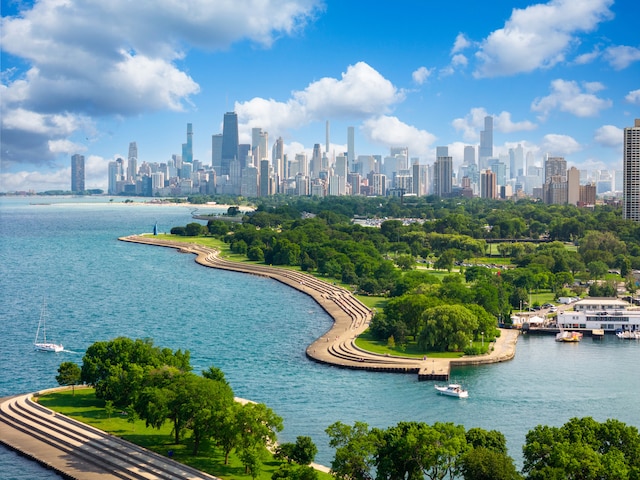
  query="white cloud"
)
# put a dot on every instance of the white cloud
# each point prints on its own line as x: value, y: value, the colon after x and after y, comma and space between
x: 459, y: 60
x: 473, y: 122
x: 538, y: 36
x: 633, y: 97
x: 132, y: 66
x: 586, y: 58
x: 621, y: 56
x: 568, y: 96
x: 359, y: 93
x: 421, y: 75
x: 609, y: 136
x: 390, y: 131
x: 460, y: 43
x: 559, y: 145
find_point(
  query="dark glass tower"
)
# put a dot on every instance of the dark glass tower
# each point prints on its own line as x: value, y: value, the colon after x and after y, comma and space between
x: 77, y: 173
x: 229, y: 141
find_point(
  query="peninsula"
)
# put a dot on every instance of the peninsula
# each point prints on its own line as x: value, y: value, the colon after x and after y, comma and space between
x: 350, y: 318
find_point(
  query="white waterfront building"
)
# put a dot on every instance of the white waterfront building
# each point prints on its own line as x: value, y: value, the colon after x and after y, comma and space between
x: 608, y: 314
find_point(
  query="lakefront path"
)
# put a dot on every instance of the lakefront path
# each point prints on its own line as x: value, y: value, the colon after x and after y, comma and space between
x: 351, y: 318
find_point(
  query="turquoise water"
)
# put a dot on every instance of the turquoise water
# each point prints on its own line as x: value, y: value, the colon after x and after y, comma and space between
x: 256, y: 330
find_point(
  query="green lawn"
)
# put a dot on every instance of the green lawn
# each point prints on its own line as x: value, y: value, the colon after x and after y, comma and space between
x: 86, y: 408
x: 368, y: 343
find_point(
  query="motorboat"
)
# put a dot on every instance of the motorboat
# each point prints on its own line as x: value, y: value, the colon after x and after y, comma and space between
x: 570, y: 337
x: 452, y: 390
x: 628, y: 334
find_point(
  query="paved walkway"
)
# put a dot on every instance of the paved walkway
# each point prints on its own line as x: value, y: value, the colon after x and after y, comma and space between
x: 79, y: 451
x: 351, y: 318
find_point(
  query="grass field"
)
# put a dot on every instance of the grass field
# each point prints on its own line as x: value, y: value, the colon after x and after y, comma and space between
x: 86, y: 408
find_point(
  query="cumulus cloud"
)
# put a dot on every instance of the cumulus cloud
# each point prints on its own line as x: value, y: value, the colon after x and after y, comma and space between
x: 421, y: 75
x: 473, y: 123
x: 389, y: 131
x: 360, y: 93
x: 79, y: 67
x: 570, y: 97
x: 461, y: 43
x: 621, y: 56
x: 633, y: 97
x: 562, y: 145
x: 609, y: 136
x: 538, y: 36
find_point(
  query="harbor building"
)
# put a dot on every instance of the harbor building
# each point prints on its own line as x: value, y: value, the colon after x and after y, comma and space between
x: 607, y: 314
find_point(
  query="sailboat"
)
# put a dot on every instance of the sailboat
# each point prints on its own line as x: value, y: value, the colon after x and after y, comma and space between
x: 45, y: 346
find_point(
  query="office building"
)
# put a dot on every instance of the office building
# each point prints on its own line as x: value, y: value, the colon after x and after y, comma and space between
x: 469, y: 155
x: 443, y: 176
x: 351, y: 149
x: 187, y: 148
x: 488, y: 184
x: 573, y: 186
x: 486, y: 143
x: 77, y: 173
x: 631, y: 173
x: 555, y: 167
x: 229, y: 141
x: 216, y: 152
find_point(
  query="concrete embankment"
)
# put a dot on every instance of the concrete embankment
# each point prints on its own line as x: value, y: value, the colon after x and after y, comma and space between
x: 351, y: 318
x: 78, y: 451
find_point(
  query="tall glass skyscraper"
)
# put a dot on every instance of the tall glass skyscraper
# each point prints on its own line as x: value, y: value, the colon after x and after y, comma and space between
x: 631, y: 173
x: 77, y: 173
x: 229, y: 141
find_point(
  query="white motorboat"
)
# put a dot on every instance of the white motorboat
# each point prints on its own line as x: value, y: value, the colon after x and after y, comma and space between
x: 569, y: 337
x: 629, y: 335
x: 44, y: 345
x: 452, y: 390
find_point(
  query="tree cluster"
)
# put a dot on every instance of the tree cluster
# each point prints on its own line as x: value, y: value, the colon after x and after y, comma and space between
x: 158, y: 386
x: 582, y: 449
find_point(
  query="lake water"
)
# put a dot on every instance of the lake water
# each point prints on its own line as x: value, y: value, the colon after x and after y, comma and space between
x: 256, y: 330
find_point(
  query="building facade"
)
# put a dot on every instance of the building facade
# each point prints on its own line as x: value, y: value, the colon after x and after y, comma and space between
x: 631, y: 173
x: 77, y: 173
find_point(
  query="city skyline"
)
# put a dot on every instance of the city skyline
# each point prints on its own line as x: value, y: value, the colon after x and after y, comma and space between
x: 558, y: 77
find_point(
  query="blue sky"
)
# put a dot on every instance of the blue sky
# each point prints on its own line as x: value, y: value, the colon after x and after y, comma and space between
x: 560, y: 77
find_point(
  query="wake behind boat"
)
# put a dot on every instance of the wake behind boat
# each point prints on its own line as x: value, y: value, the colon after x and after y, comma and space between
x: 44, y: 345
x: 452, y: 390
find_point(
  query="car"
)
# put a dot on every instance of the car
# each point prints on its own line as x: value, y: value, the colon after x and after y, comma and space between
x: 548, y: 305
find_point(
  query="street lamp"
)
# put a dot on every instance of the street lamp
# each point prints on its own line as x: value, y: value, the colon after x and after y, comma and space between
x: 482, y: 333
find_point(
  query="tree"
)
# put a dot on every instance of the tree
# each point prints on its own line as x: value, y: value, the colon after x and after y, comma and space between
x: 302, y: 452
x: 355, y: 450
x: 257, y: 426
x: 295, y: 472
x: 597, y: 269
x: 483, y: 463
x: 447, y: 328
x: 193, y: 229
x: 69, y: 373
x: 582, y: 449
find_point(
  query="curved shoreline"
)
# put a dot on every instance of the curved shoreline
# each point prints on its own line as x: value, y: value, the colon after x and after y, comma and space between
x: 350, y: 318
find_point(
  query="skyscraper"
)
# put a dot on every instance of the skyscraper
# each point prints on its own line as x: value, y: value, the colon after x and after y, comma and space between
x: 229, y: 141
x: 187, y: 148
x: 77, y: 173
x: 469, y: 155
x: 132, y: 162
x: 555, y: 167
x: 442, y: 176
x: 351, y: 149
x: 486, y: 142
x: 631, y: 173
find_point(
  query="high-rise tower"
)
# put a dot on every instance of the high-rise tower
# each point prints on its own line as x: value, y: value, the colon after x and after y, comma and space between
x: 187, y: 148
x: 631, y: 173
x: 229, y: 141
x: 77, y: 173
x: 486, y: 142
x: 351, y: 149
